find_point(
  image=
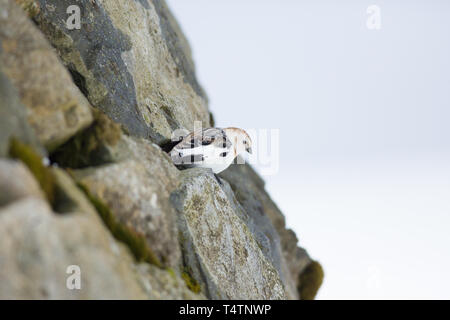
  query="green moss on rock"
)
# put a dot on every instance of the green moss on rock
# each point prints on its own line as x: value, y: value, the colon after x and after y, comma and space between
x: 44, y: 176
x: 29, y: 6
x: 310, y: 281
x: 134, y: 241
x: 88, y: 148
x: 191, y: 283
x: 172, y: 273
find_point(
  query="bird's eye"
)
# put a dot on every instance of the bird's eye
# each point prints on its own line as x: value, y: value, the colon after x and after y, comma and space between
x: 245, y: 141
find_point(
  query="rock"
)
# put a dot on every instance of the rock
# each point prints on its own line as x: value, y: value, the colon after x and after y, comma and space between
x: 219, y: 249
x: 56, y: 108
x: 310, y: 281
x: 69, y: 197
x: 95, y: 146
x: 103, y: 194
x: 13, y: 118
x: 36, y: 164
x: 139, y: 71
x: 267, y: 218
x: 267, y: 237
x: 16, y: 182
x: 160, y: 284
x: 48, y: 244
x: 137, y: 191
x: 29, y: 6
x: 37, y: 247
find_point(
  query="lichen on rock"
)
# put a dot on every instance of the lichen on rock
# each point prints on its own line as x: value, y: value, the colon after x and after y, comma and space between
x: 90, y: 147
x: 56, y: 107
x: 136, y: 188
x: 218, y: 246
x: 134, y: 241
x: 49, y: 244
x: 13, y: 118
x: 142, y: 74
x: 267, y: 219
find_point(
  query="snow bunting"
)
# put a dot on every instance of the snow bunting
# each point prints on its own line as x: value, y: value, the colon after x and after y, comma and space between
x: 213, y: 148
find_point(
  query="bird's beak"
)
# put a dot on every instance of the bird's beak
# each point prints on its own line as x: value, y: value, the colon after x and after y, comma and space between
x: 249, y: 150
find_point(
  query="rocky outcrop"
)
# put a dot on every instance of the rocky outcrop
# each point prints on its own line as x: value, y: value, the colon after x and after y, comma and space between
x: 56, y: 107
x: 137, y: 190
x: 139, y: 71
x: 219, y: 248
x: 13, y: 117
x: 269, y: 222
x: 36, y: 244
x: 86, y: 184
x: 16, y: 182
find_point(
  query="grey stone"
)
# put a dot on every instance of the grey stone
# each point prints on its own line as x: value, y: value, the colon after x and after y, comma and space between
x: 267, y: 237
x: 212, y: 240
x: 138, y: 71
x: 160, y: 284
x: 56, y: 109
x: 37, y: 247
x: 177, y: 44
x: 69, y: 197
x: 137, y: 190
x: 13, y: 117
x: 16, y: 182
x: 249, y: 190
x: 219, y: 249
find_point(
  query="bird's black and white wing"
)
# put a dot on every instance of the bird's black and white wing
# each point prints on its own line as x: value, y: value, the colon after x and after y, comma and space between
x: 200, y: 145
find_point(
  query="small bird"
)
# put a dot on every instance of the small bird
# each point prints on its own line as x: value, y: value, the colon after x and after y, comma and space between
x: 213, y: 148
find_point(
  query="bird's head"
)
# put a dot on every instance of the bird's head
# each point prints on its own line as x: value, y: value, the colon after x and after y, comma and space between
x: 240, y: 139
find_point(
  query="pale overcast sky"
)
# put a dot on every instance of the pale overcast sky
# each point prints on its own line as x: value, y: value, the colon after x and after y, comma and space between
x: 363, y: 117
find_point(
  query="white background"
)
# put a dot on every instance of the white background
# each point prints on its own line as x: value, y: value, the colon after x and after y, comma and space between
x: 364, y: 176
